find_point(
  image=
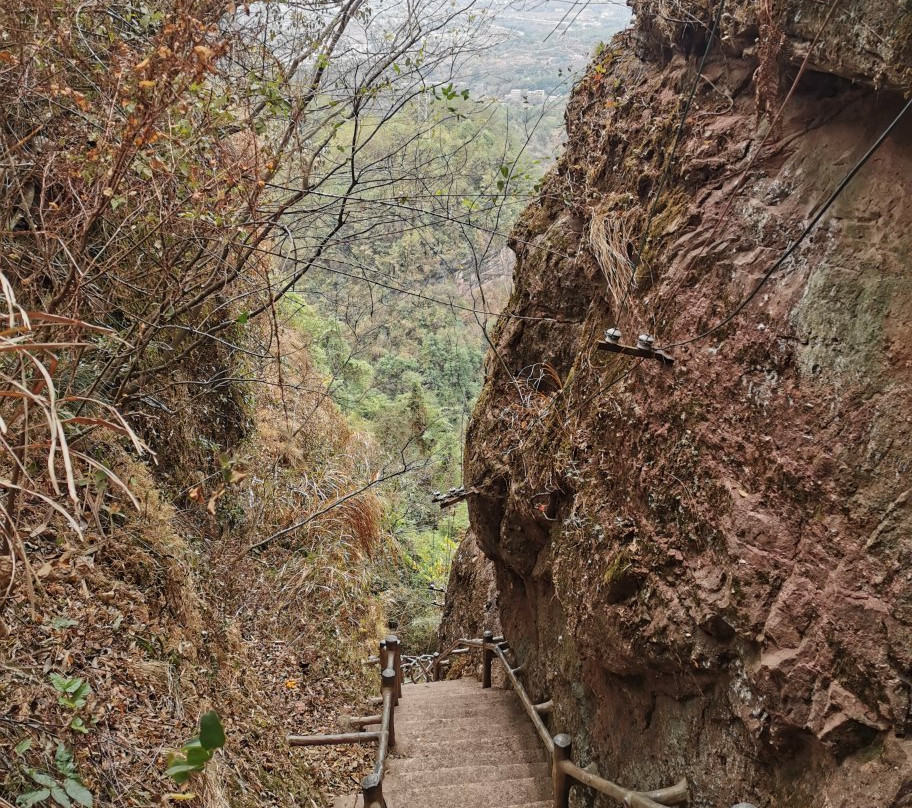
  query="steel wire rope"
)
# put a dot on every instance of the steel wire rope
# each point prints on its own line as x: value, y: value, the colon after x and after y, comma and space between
x: 843, y: 183
x: 772, y: 128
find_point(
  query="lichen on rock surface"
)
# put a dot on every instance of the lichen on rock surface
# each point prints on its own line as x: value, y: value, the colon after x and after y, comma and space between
x: 707, y: 567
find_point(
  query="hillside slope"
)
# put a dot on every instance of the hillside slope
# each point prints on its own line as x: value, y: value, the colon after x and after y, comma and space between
x: 162, y: 615
x: 707, y: 566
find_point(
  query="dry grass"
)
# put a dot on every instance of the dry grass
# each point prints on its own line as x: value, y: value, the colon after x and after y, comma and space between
x: 610, y: 228
x: 44, y: 422
x: 165, y: 625
x: 609, y: 242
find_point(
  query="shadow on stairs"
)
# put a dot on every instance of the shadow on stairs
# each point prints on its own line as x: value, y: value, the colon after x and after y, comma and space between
x: 461, y: 746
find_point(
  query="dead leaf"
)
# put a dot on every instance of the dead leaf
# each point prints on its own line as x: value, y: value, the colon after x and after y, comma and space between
x: 210, y: 506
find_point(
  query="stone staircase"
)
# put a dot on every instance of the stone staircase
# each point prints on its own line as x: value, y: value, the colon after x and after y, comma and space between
x: 461, y: 746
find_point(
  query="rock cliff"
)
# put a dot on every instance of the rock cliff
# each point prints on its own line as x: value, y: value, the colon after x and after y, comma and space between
x: 708, y: 567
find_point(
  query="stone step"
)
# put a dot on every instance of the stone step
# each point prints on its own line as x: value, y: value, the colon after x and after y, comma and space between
x: 438, y: 691
x: 428, y: 694
x: 441, y: 750
x: 470, y: 700
x: 355, y: 801
x: 474, y: 702
x: 446, y: 686
x: 506, y: 722
x: 427, y: 778
x: 470, y: 795
x: 461, y: 746
x: 449, y: 706
x: 419, y: 736
x: 454, y: 705
x: 496, y: 715
x: 472, y: 756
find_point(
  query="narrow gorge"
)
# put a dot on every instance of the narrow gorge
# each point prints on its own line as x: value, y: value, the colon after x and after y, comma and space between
x: 707, y: 565
x: 456, y: 404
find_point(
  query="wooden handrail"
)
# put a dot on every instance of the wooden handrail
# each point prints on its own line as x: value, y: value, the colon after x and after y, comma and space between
x: 332, y: 740
x: 527, y: 704
x: 387, y: 727
x: 390, y: 661
x: 564, y: 772
x: 675, y: 795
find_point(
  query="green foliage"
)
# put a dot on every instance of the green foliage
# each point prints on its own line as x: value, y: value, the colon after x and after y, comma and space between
x: 74, y: 692
x: 437, y: 178
x: 65, y: 788
x: 197, y: 752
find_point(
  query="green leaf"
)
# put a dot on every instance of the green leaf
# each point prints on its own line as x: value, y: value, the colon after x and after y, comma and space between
x: 179, y: 772
x: 78, y: 792
x: 75, y: 691
x: 23, y: 746
x: 78, y: 725
x: 63, y: 759
x: 41, y: 778
x: 31, y: 798
x: 59, y: 682
x: 62, y: 622
x: 243, y: 317
x: 198, y: 756
x: 60, y: 796
x: 212, y: 735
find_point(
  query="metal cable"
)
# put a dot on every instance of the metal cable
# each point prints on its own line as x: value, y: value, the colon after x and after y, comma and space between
x: 804, y: 234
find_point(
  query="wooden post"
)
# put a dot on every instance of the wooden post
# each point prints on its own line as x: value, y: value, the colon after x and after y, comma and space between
x: 487, y: 657
x: 394, y: 661
x: 435, y: 666
x: 372, y: 790
x: 388, y: 683
x: 562, y: 783
x: 381, y: 655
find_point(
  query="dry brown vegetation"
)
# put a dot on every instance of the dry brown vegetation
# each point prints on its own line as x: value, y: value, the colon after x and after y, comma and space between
x: 187, y: 521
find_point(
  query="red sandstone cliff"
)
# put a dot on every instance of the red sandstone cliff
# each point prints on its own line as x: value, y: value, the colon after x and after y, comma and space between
x: 709, y: 567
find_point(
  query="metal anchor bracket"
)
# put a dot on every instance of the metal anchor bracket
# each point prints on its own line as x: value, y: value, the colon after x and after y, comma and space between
x: 452, y: 496
x: 642, y: 349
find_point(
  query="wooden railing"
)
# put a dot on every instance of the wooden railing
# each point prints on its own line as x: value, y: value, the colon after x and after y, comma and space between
x: 390, y: 662
x: 417, y: 668
x: 564, y: 773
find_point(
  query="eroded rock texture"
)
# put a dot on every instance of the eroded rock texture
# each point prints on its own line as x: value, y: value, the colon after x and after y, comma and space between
x: 709, y: 567
x: 471, y: 606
